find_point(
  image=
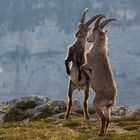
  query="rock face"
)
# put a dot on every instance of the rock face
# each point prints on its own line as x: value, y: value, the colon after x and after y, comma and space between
x: 33, y: 48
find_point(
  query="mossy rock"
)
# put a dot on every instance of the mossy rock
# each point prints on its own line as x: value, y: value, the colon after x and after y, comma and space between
x: 55, y: 106
x: 4, y: 107
x: 16, y: 115
x: 26, y: 104
x: 50, y: 108
x: 29, y: 102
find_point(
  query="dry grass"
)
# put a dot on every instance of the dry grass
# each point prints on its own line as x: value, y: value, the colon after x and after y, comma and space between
x: 74, y: 129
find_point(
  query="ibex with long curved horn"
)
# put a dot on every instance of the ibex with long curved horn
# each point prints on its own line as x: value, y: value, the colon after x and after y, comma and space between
x: 101, y: 77
x: 75, y: 54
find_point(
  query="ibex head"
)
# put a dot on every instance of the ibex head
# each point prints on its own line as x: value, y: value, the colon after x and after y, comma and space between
x: 83, y: 27
x: 97, y: 31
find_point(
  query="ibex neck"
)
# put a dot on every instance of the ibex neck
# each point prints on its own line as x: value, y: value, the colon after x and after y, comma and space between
x: 100, y: 46
x: 81, y: 41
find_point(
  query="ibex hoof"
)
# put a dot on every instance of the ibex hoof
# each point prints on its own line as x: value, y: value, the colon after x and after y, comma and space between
x: 101, y: 134
x: 66, y: 117
x: 87, y: 117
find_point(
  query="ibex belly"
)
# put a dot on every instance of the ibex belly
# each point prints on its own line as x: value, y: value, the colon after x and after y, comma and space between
x: 105, y: 90
x: 74, y: 77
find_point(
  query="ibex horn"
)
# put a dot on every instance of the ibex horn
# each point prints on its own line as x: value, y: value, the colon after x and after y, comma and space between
x: 93, y: 19
x: 105, y: 22
x: 98, y: 21
x: 83, y: 15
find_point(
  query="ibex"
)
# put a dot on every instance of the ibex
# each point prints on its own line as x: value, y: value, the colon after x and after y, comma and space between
x: 75, y: 54
x: 101, y: 77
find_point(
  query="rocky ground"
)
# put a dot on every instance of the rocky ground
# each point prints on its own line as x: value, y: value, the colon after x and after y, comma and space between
x: 40, y: 118
x: 37, y: 107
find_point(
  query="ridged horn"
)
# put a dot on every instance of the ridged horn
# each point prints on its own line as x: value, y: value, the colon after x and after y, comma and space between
x: 93, y: 19
x: 105, y: 22
x: 98, y: 21
x: 83, y: 15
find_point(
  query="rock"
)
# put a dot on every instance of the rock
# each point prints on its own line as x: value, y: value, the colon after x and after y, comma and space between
x: 14, y: 114
x: 52, y: 107
x: 23, y: 108
x: 41, y: 100
x: 119, y: 111
x: 26, y: 120
x: 37, y: 107
x: 138, y: 109
x: 1, y: 117
x: 122, y: 112
x: 29, y: 111
x: 33, y: 107
x: 36, y: 115
x: 56, y: 106
x: 135, y: 113
x: 28, y: 102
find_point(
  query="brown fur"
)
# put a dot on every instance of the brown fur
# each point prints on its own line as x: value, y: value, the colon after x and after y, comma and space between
x: 102, y: 81
x: 78, y: 79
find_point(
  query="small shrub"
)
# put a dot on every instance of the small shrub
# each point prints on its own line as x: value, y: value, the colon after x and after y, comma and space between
x: 15, y: 115
x: 26, y: 105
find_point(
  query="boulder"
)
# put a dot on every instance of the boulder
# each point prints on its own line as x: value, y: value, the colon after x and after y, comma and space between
x: 119, y: 111
x: 135, y: 113
x: 52, y: 107
x: 28, y: 102
x: 14, y: 114
x: 22, y: 108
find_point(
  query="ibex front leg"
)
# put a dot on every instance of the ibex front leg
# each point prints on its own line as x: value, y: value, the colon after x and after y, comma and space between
x: 69, y: 94
x: 67, y: 61
x: 86, y: 70
x: 86, y: 96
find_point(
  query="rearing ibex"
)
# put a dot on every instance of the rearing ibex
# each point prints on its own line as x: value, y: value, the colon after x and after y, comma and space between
x: 75, y: 54
x: 101, y: 77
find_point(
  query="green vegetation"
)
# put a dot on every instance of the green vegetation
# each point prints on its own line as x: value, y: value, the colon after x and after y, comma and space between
x: 91, y: 110
x: 16, y: 115
x: 75, y: 129
x: 129, y: 123
x: 26, y: 105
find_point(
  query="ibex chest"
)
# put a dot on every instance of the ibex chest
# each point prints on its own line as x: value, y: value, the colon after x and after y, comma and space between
x: 78, y: 55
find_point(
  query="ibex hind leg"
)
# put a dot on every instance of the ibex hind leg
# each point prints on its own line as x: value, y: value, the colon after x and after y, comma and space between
x: 98, y: 107
x: 103, y: 121
x: 107, y: 113
x: 70, y: 90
